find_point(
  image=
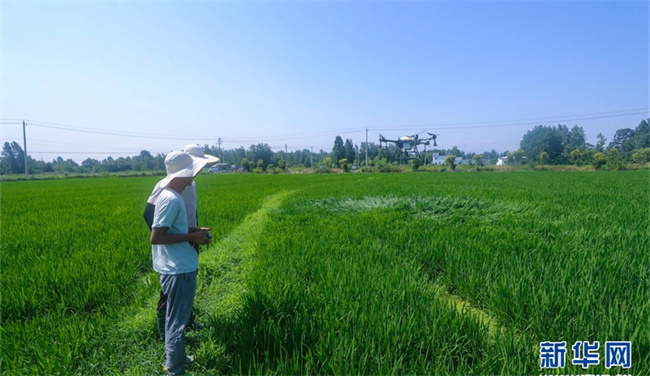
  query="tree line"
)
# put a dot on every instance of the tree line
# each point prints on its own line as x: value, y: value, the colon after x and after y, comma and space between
x: 559, y: 145
x: 543, y: 145
x: 12, y: 162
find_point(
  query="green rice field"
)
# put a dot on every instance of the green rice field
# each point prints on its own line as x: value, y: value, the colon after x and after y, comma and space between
x: 311, y: 274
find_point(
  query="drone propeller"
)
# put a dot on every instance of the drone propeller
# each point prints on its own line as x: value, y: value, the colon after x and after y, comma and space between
x: 433, y: 137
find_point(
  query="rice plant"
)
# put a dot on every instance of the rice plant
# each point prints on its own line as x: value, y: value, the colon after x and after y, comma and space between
x: 334, y: 274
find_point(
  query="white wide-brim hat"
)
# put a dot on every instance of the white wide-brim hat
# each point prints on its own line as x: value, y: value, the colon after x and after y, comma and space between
x: 182, y: 165
x: 196, y: 152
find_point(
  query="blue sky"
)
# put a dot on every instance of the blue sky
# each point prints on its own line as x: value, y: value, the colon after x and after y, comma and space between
x: 112, y: 78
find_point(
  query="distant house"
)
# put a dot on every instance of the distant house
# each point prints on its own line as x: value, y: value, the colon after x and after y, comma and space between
x: 440, y: 159
x: 502, y: 161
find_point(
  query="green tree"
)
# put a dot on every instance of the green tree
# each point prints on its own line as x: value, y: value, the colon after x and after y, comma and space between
x: 344, y: 164
x: 450, y: 161
x: 227, y: 156
x: 641, y: 156
x: 577, y: 139
x: 143, y: 162
x: 13, y: 161
x: 246, y: 164
x: 89, y: 164
x: 306, y: 158
x: 350, y: 151
x: 62, y: 166
x: 641, y: 138
x: 261, y: 152
x: 492, y: 156
x: 159, y: 162
x: 338, y: 151
x: 455, y: 151
x: 600, y: 145
x: 415, y: 164
x: 576, y: 157
x: 615, y: 160
x: 518, y: 156
x: 477, y: 160
x: 627, y: 140
x: 543, y: 158
x: 621, y: 140
x: 599, y: 160
x: 574, y: 139
x: 544, y: 138
x: 373, y: 150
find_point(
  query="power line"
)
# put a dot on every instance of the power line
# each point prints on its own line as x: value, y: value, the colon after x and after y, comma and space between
x: 296, y: 136
x: 163, y: 137
x: 520, y: 122
x: 76, y: 152
x: 462, y: 125
x: 50, y: 143
x: 110, y: 133
x: 72, y: 144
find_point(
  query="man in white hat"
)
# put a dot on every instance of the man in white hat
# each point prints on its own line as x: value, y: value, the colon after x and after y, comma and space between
x: 189, y: 198
x: 173, y: 256
x: 189, y: 194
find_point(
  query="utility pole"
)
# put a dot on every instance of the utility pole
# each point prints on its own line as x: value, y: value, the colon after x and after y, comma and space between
x: 311, y: 156
x: 366, y: 147
x: 25, y: 150
x: 220, y: 156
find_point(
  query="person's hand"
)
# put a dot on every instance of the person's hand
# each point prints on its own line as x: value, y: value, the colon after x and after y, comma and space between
x: 201, y: 237
x: 195, y: 229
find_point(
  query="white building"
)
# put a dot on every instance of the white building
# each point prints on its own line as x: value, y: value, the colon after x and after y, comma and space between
x: 440, y: 159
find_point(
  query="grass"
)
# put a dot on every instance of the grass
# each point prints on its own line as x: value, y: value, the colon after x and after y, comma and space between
x: 333, y: 273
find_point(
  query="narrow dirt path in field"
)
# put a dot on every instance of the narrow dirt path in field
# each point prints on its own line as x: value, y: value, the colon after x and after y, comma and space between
x: 227, y: 262
x: 220, y: 285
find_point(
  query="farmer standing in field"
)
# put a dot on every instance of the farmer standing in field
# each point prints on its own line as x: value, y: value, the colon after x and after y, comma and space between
x: 189, y: 198
x: 173, y: 256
